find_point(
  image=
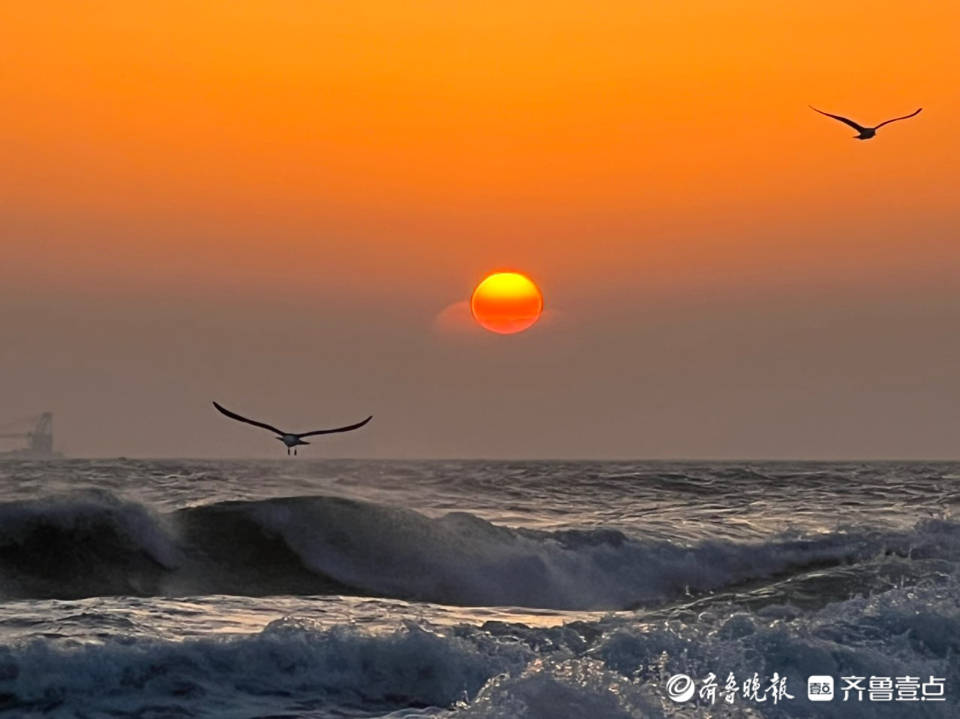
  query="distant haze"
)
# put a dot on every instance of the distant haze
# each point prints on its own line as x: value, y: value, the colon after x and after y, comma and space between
x: 280, y: 205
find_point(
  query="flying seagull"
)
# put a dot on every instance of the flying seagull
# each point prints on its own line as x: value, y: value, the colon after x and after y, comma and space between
x: 865, y: 132
x: 291, y: 439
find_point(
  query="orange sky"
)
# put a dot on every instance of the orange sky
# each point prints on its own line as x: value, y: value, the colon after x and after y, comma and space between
x: 622, y: 152
x: 607, y: 131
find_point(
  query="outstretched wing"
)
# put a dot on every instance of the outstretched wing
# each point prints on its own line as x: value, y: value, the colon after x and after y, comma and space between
x: 844, y: 120
x: 887, y: 122
x: 348, y: 428
x: 255, y: 423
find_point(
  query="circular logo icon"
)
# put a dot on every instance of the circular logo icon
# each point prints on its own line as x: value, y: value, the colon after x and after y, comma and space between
x: 680, y: 688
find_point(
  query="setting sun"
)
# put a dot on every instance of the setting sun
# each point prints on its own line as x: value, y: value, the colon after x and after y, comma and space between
x: 506, y: 302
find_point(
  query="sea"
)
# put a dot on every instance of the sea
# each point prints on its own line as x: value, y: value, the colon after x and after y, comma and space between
x: 455, y: 589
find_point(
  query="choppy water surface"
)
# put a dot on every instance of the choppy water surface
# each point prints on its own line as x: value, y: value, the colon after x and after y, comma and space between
x: 471, y: 589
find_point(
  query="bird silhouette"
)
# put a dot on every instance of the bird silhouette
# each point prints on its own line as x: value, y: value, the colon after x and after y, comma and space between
x: 290, y: 439
x: 865, y: 132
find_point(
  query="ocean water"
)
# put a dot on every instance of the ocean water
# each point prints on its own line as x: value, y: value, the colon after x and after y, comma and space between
x: 540, y: 590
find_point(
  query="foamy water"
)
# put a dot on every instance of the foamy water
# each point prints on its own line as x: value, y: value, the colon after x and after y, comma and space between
x: 475, y: 589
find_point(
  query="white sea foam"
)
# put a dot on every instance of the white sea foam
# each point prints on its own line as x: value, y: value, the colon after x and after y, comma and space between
x: 611, y: 668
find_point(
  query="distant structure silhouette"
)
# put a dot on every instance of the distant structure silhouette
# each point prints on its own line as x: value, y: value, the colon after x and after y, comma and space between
x: 38, y: 438
x: 290, y: 439
x: 865, y: 132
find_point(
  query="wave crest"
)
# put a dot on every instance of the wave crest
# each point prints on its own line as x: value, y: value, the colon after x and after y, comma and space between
x: 94, y: 544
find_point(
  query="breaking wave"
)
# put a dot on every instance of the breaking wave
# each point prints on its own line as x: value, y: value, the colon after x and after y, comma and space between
x: 96, y: 544
x: 615, y: 667
x: 409, y: 667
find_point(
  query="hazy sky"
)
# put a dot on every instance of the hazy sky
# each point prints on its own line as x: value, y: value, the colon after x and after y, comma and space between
x: 279, y: 205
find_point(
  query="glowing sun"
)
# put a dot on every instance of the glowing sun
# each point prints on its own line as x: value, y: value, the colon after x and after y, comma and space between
x: 506, y: 302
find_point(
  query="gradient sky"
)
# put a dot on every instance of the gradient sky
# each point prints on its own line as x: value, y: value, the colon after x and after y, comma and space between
x: 279, y: 205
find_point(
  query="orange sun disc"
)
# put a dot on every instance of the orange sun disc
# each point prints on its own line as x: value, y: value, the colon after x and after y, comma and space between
x: 506, y: 302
